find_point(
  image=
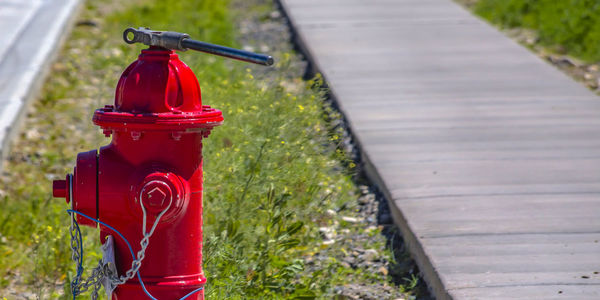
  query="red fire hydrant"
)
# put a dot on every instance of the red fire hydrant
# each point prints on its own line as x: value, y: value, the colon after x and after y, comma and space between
x: 146, y: 185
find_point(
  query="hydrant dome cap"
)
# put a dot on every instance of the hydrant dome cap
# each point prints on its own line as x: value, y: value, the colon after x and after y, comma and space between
x: 158, y: 82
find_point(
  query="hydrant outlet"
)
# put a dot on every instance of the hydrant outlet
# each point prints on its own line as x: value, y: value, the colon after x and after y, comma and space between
x: 162, y: 191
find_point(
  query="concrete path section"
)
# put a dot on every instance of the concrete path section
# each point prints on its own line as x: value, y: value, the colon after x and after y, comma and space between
x: 30, y: 33
x: 489, y: 156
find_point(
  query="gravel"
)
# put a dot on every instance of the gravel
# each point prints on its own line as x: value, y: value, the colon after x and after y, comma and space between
x: 357, y: 226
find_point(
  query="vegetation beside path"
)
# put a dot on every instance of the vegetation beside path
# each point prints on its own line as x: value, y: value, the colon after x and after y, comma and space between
x: 273, y: 175
x: 567, y: 26
x: 565, y: 33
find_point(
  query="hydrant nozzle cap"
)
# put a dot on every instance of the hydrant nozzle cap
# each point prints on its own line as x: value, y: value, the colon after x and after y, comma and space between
x: 59, y: 188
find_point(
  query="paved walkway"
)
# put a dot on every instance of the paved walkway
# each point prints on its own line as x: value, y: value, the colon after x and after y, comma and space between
x: 489, y: 156
x: 30, y: 34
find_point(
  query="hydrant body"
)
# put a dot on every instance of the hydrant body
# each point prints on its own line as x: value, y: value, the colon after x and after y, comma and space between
x: 152, y: 169
x: 147, y: 183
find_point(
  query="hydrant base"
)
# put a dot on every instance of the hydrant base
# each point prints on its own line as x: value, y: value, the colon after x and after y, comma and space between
x: 161, y: 288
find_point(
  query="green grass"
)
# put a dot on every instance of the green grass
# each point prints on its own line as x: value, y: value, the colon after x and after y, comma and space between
x: 567, y: 26
x: 270, y: 171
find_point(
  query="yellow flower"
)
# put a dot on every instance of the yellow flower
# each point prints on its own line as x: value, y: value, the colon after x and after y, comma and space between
x: 301, y: 107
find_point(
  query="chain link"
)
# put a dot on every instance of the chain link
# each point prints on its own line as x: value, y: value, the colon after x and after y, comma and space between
x: 103, y: 270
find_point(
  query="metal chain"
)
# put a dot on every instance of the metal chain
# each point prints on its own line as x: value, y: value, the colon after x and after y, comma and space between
x: 103, y: 271
x: 137, y: 263
x: 75, y: 244
x: 93, y: 280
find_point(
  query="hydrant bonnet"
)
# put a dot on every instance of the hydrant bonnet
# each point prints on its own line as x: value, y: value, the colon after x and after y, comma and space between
x: 157, y: 92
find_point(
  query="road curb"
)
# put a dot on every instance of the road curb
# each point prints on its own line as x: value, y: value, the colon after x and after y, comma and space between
x: 25, y: 63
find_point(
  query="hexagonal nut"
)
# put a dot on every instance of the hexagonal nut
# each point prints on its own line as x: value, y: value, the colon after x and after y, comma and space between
x: 160, y: 192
